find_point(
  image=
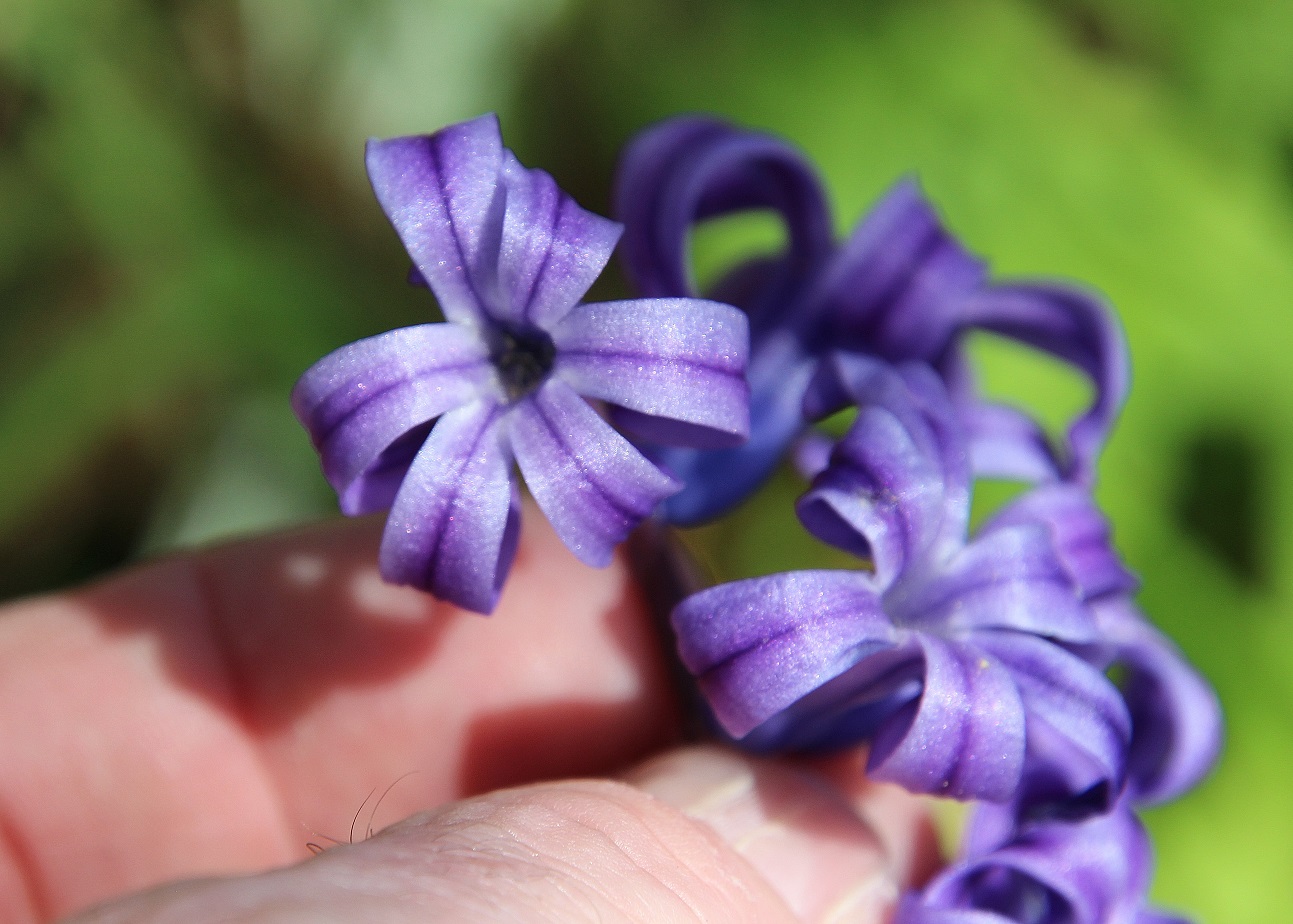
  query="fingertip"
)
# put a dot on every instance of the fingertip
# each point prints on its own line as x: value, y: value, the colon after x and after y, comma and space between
x: 799, y: 832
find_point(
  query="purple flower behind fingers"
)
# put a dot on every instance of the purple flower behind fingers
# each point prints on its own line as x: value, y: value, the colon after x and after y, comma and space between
x: 900, y: 287
x: 949, y: 655
x: 1095, y: 871
x: 1176, y: 717
x: 428, y: 420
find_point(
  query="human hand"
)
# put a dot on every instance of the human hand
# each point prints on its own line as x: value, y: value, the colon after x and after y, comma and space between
x: 213, y: 715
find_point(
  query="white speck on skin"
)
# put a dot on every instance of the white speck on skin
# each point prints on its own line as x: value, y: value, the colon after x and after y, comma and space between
x: 371, y: 593
x: 304, y: 570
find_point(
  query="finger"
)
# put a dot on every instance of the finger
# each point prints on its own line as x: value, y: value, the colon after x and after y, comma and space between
x: 214, y: 713
x: 902, y: 820
x: 719, y: 838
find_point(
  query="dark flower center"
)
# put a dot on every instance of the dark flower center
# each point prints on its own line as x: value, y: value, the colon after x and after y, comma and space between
x: 523, y: 358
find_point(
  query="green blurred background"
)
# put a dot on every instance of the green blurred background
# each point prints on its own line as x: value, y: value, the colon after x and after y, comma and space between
x: 185, y: 226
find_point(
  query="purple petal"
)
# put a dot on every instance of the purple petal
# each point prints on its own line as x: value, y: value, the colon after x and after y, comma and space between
x: 592, y: 484
x: 1073, y: 326
x: 757, y: 646
x: 964, y: 736
x: 680, y: 362
x: 1175, y: 716
x: 359, y: 400
x: 1006, y: 443
x: 1082, y: 535
x: 894, y: 286
x: 716, y: 480
x: 686, y: 169
x: 1095, y: 872
x: 1075, y: 715
x: 441, y: 192
x: 551, y: 250
x: 895, y: 489
x: 453, y: 528
x: 1009, y: 578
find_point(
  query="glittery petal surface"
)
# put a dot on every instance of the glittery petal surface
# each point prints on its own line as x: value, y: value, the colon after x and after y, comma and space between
x: 551, y: 249
x: 453, y: 528
x: 758, y: 645
x: 359, y: 400
x: 677, y: 362
x: 442, y: 194
x: 963, y: 737
x: 592, y: 483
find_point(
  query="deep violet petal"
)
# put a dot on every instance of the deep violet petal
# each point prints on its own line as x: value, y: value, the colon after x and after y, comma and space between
x: 1076, y: 327
x: 690, y: 168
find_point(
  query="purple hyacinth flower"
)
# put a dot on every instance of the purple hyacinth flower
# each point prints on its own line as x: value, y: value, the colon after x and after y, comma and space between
x: 1096, y: 871
x: 1176, y: 716
x: 946, y: 655
x: 901, y: 287
x: 428, y: 420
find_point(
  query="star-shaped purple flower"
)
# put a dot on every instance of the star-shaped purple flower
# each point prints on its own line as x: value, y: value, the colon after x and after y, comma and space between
x: 949, y: 655
x: 901, y: 287
x: 428, y: 420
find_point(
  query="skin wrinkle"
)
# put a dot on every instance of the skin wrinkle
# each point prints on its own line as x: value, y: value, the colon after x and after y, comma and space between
x: 521, y: 830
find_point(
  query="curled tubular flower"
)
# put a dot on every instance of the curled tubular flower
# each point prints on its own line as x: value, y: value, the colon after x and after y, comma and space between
x: 901, y: 287
x: 1176, y: 726
x: 1096, y: 871
x: 428, y: 420
x: 949, y: 655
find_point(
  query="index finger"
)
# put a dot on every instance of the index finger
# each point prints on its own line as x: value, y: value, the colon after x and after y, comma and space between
x: 215, y: 712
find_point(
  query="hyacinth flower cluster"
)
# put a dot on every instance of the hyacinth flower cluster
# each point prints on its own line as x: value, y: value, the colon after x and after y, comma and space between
x: 974, y: 664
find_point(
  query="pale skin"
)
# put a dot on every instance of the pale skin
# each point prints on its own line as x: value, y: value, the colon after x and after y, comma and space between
x: 180, y: 738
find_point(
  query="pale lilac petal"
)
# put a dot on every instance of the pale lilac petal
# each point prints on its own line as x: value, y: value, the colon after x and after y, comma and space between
x: 1081, y: 532
x: 1072, y: 701
x: 1076, y: 327
x: 453, y: 528
x: 895, y: 285
x: 895, y: 488
x: 359, y: 400
x: 1094, y: 872
x: 442, y: 194
x: 680, y: 361
x: 1006, y: 443
x: 964, y: 736
x: 1009, y: 578
x: 551, y: 250
x: 1176, y: 727
x: 757, y: 646
x: 811, y: 453
x: 593, y: 484
x: 686, y: 169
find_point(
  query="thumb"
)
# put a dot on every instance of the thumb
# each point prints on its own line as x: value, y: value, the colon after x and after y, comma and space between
x: 694, y: 835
